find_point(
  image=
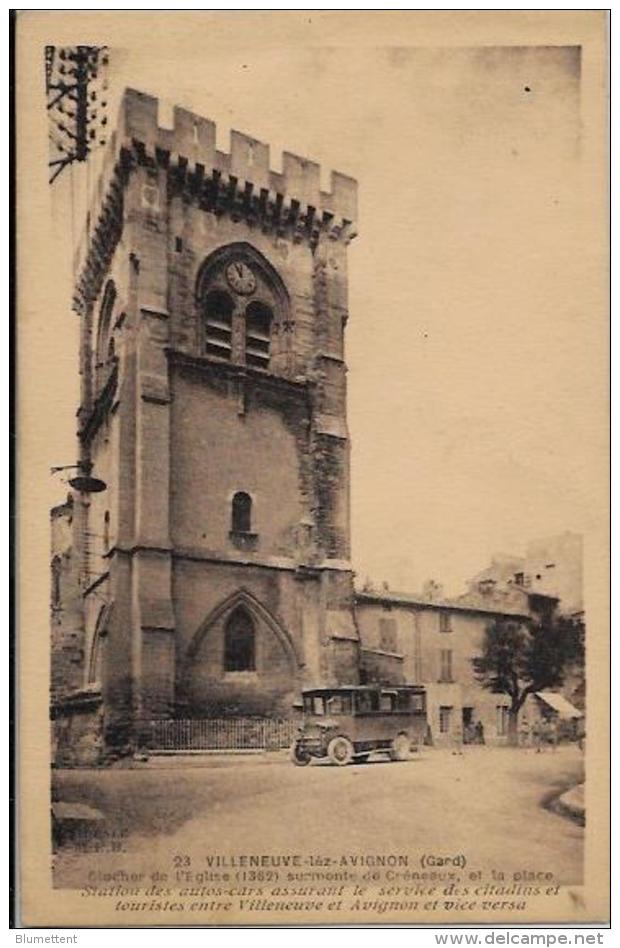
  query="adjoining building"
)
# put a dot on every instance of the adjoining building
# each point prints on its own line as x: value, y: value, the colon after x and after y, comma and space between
x: 211, y: 578
x: 430, y: 641
x: 552, y: 566
x: 552, y: 569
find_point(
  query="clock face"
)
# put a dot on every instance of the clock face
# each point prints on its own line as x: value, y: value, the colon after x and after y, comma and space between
x: 241, y: 277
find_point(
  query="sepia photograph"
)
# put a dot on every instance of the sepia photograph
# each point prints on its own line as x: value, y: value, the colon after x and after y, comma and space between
x: 313, y: 373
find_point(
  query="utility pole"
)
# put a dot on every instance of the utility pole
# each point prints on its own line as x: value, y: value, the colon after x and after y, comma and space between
x: 76, y: 83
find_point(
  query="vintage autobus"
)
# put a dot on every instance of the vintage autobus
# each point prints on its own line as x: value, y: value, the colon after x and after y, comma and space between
x: 348, y: 723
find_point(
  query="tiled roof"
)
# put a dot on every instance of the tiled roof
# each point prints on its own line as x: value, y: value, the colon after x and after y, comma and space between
x: 463, y: 604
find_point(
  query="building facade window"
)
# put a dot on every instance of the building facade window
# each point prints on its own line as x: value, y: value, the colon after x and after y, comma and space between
x: 387, y: 635
x: 239, y: 643
x: 445, y: 664
x: 445, y: 622
x: 445, y: 719
x: 241, y: 520
x: 502, y: 720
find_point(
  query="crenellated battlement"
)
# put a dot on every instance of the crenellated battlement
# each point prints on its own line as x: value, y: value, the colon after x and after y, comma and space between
x: 192, y: 141
x: 239, y: 182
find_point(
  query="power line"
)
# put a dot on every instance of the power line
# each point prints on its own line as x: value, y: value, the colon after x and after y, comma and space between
x: 76, y: 84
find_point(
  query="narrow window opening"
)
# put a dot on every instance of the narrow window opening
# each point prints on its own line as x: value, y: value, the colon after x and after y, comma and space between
x: 95, y: 665
x: 96, y: 659
x: 241, y: 513
x: 218, y: 324
x: 104, y: 351
x: 502, y: 720
x: 258, y: 318
x: 387, y: 635
x: 445, y: 671
x: 178, y: 244
x: 56, y: 569
x: 106, y: 531
x: 239, y: 643
x: 445, y: 719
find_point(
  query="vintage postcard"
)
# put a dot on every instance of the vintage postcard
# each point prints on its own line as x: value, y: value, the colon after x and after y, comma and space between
x: 312, y: 328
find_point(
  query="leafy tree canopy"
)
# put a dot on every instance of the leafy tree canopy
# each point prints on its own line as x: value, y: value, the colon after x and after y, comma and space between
x: 518, y: 660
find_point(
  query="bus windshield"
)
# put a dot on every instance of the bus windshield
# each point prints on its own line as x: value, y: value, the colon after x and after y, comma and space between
x: 333, y: 705
x: 313, y: 704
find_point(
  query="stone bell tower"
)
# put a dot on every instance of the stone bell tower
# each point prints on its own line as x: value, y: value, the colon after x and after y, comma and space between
x: 213, y: 302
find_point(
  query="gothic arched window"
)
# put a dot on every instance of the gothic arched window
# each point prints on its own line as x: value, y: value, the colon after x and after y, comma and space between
x: 239, y: 643
x: 258, y: 317
x: 245, y: 308
x: 95, y: 664
x: 104, y: 350
x: 218, y: 312
x: 241, y: 521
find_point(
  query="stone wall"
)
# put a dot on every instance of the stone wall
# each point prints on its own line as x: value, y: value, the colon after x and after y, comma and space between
x: 67, y: 623
x: 216, y: 452
x: 77, y: 731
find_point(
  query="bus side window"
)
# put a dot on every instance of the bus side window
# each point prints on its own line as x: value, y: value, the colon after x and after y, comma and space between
x: 386, y: 701
x: 403, y: 701
x: 339, y: 704
x: 362, y: 702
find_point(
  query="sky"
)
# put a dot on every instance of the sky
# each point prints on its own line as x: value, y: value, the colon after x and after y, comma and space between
x: 477, y: 337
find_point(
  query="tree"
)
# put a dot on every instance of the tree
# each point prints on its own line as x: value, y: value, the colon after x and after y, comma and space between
x: 518, y: 659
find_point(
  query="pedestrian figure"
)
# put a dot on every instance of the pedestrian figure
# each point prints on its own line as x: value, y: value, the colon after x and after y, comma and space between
x: 537, y: 735
x: 479, y: 731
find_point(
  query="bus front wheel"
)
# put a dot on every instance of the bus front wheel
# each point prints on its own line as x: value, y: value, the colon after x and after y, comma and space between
x: 340, y: 751
x: 300, y: 757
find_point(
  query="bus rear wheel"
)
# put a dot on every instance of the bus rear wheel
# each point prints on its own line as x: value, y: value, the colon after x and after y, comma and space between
x: 400, y: 747
x: 340, y: 751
